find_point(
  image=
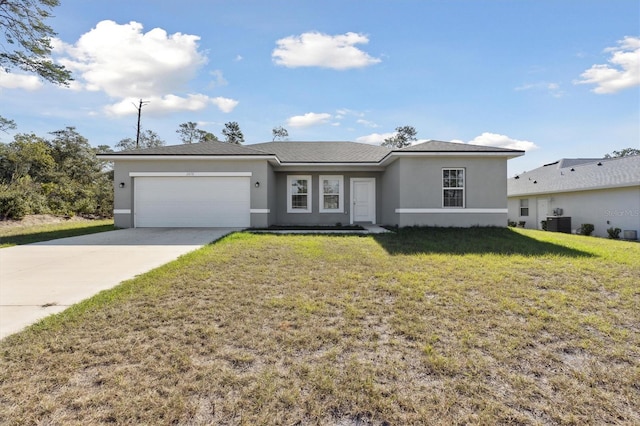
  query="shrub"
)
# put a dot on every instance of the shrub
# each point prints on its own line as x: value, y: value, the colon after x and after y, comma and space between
x: 544, y: 225
x: 586, y: 229
x: 512, y: 223
x: 614, y: 233
x: 13, y: 205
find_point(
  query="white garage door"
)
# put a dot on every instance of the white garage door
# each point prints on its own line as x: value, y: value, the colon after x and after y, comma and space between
x: 192, y: 202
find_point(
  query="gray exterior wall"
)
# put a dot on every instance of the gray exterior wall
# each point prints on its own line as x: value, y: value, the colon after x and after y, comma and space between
x: 604, y: 208
x: 123, y: 197
x: 420, y: 187
x: 390, y: 194
x: 456, y: 220
x: 315, y: 217
x: 272, y: 194
x: 406, y: 183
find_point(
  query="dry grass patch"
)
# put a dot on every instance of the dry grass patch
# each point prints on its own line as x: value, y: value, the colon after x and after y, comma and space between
x: 36, y: 228
x: 481, y: 326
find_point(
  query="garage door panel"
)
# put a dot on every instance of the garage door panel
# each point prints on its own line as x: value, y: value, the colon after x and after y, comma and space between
x: 192, y: 201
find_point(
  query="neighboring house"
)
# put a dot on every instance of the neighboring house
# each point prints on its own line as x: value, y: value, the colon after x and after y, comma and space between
x: 214, y: 184
x: 604, y: 192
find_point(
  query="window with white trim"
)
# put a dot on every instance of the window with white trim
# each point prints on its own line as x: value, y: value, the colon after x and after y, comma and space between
x: 453, y: 188
x: 298, y: 194
x: 524, y: 207
x: 331, y: 194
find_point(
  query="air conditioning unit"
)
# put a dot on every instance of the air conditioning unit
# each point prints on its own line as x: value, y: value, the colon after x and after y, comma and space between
x: 628, y: 234
x: 557, y: 211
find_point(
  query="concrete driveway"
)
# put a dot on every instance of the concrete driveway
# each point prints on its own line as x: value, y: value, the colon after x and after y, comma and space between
x: 40, y: 279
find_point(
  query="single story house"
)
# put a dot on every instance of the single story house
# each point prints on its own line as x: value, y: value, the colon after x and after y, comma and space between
x: 215, y: 184
x: 604, y: 192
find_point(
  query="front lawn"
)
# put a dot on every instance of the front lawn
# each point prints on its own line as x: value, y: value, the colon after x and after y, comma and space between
x: 428, y: 326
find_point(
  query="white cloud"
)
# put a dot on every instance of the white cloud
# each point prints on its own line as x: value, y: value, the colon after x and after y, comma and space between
x: 18, y: 81
x: 622, y: 72
x: 224, y: 104
x: 375, y: 138
x: 123, y: 61
x: 218, y: 79
x: 309, y: 119
x: 314, y: 49
x: 502, y: 141
x: 552, y: 89
x: 367, y: 123
x: 170, y: 103
x: 346, y: 111
x: 126, y: 63
x: 343, y: 113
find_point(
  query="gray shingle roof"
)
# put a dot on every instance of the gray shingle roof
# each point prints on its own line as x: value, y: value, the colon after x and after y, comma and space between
x: 440, y: 146
x: 324, y: 152
x: 575, y: 174
x: 202, y: 148
x: 307, y: 152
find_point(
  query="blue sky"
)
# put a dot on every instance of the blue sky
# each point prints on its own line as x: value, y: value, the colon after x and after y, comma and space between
x: 556, y: 78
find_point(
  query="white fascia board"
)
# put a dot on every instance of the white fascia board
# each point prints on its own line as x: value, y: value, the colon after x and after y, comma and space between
x: 448, y: 211
x: 354, y: 164
x: 190, y: 174
x: 570, y: 190
x: 329, y: 167
x: 394, y: 155
x: 187, y: 157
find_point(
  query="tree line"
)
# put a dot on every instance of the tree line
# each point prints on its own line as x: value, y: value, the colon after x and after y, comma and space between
x: 190, y: 133
x: 59, y: 174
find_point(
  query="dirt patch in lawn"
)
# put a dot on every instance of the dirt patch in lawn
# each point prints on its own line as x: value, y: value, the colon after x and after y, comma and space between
x: 37, y: 228
x: 41, y: 219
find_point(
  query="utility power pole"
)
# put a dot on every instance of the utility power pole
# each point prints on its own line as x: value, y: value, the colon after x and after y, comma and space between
x: 139, y: 108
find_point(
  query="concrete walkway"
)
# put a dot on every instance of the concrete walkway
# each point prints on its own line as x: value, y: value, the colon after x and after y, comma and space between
x: 37, y: 280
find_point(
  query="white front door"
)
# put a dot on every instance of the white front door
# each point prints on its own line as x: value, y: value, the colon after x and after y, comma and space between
x: 363, y: 200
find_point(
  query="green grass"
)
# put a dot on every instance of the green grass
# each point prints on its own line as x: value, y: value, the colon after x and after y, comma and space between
x: 427, y: 326
x: 18, y: 235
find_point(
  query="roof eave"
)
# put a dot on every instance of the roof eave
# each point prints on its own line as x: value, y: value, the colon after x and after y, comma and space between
x: 390, y: 157
x: 187, y: 157
x: 563, y: 190
x: 395, y: 154
x: 327, y: 166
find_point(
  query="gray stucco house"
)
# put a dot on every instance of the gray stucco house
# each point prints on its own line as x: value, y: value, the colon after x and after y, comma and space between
x: 214, y: 184
x: 604, y: 192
